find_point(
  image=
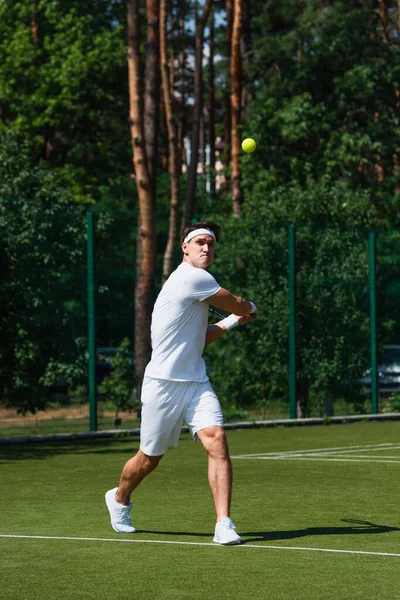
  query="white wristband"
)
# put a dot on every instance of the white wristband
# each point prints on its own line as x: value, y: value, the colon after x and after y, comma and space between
x: 230, y: 322
x: 253, y: 307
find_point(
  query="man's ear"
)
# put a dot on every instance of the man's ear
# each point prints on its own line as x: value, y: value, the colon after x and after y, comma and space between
x: 184, y: 248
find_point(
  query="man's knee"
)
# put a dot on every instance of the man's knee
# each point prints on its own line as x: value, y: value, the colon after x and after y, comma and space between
x: 148, y: 463
x: 214, y: 440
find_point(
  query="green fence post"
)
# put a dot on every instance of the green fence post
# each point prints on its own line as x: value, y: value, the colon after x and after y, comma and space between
x: 91, y: 322
x: 292, y: 321
x: 372, y: 320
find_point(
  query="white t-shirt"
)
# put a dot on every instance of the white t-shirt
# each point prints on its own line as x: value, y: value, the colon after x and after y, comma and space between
x: 179, y: 325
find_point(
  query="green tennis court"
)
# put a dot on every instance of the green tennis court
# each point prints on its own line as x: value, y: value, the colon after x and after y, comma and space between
x: 317, y: 508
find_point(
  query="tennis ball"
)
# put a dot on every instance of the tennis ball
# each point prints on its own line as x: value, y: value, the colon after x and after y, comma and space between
x: 248, y: 145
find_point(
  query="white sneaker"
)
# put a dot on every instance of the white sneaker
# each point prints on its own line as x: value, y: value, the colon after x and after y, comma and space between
x: 225, y: 533
x: 120, y: 515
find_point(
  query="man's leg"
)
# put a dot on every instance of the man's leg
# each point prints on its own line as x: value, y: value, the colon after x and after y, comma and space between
x: 135, y: 469
x: 118, y: 499
x: 219, y: 468
x: 220, y: 478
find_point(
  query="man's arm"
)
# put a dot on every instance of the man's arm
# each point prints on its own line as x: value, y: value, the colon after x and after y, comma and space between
x: 214, y: 332
x: 231, y: 303
x: 217, y: 329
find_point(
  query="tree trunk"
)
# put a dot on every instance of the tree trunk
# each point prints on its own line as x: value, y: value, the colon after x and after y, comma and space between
x: 228, y: 108
x: 236, y: 82
x: 198, y: 103
x: 202, y: 151
x: 384, y: 20
x: 173, y: 146
x: 34, y: 22
x: 181, y: 85
x: 146, y: 243
x: 152, y: 89
x: 398, y: 17
x: 396, y: 163
x: 211, y: 107
x: 380, y: 174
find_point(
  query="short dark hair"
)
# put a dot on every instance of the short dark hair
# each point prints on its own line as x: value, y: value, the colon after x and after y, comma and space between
x: 216, y: 229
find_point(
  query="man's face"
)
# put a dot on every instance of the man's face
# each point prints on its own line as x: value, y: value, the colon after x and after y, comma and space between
x: 199, y: 251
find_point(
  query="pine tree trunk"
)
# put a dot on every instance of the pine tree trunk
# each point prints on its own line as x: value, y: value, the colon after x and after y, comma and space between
x: 384, y: 20
x: 202, y: 151
x: 211, y: 106
x: 181, y: 86
x: 228, y: 108
x: 398, y: 17
x: 236, y: 81
x: 152, y: 89
x: 146, y: 242
x: 190, y: 201
x: 34, y: 22
x: 173, y: 146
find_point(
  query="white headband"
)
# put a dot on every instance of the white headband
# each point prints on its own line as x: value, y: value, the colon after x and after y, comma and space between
x: 200, y: 231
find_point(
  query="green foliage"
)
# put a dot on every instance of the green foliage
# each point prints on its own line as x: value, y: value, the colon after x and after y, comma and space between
x: 69, y: 374
x: 251, y: 363
x: 326, y: 99
x: 118, y: 387
x: 65, y: 89
x: 393, y: 404
x: 233, y: 413
x: 323, y: 106
x: 41, y: 253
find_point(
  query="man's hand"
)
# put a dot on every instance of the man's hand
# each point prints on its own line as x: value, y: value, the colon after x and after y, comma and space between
x: 248, y: 318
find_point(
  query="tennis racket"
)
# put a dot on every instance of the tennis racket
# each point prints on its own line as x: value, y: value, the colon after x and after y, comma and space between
x: 216, y: 313
x: 220, y: 316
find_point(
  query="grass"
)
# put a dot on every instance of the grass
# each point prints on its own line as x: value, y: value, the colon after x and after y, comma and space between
x: 66, y: 419
x: 74, y: 418
x: 279, y: 505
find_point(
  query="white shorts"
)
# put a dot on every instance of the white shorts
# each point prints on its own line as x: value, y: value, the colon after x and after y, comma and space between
x: 166, y: 404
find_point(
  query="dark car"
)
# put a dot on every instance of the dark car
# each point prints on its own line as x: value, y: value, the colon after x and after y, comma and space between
x: 388, y: 371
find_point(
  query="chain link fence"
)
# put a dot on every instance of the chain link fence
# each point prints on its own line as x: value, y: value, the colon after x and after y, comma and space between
x: 327, y: 341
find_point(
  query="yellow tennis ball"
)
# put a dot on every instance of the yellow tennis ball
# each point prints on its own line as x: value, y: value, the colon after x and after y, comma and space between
x: 248, y: 145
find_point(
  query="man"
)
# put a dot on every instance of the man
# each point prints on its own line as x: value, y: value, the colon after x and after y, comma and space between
x: 176, y: 386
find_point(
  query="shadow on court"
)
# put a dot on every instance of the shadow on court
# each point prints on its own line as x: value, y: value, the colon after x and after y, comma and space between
x: 13, y: 453
x: 358, y: 528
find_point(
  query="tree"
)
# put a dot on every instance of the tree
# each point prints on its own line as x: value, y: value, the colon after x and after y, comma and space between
x: 146, y: 243
x: 211, y: 104
x: 332, y: 292
x: 64, y: 87
x: 201, y: 23
x: 152, y: 88
x: 236, y: 82
x: 41, y: 253
x: 173, y: 147
x: 227, y: 96
x: 326, y: 99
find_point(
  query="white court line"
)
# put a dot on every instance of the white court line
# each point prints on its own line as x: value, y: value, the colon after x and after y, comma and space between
x: 350, y: 456
x: 324, y: 458
x: 365, y: 459
x: 370, y: 452
x: 351, y: 450
x: 321, y: 452
x: 345, y: 448
x: 211, y: 545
